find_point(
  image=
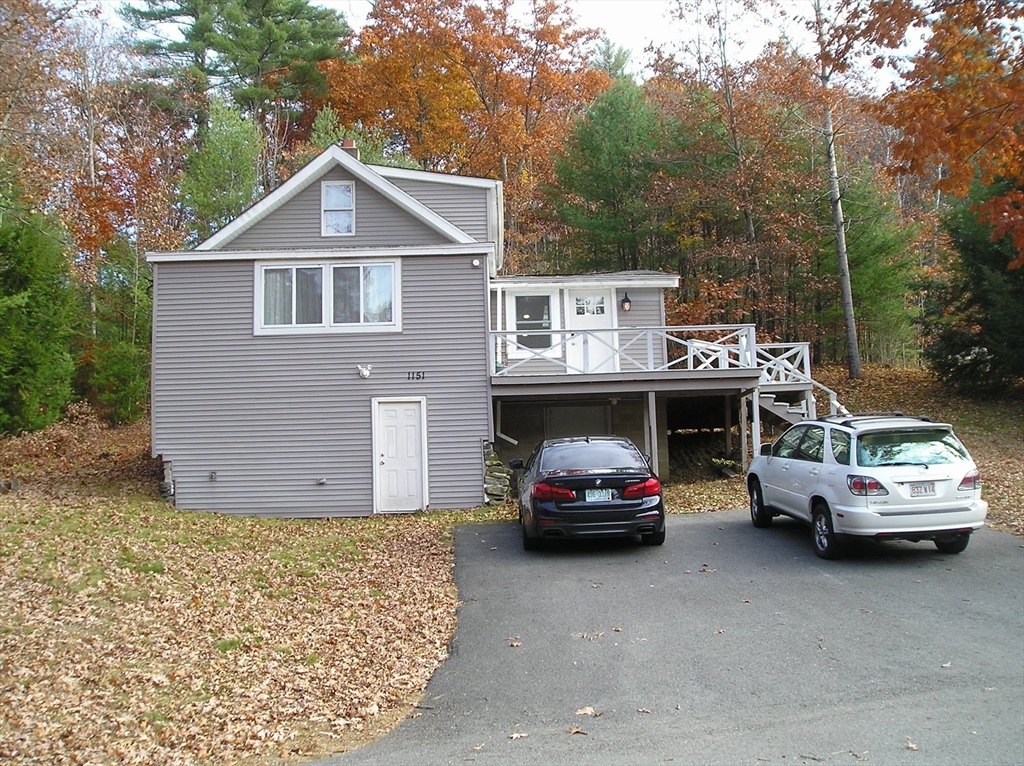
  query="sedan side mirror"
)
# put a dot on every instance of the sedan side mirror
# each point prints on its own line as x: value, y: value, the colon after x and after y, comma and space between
x: 766, y: 450
x: 514, y: 464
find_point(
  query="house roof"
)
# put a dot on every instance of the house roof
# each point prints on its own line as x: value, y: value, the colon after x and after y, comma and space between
x: 173, y: 256
x: 331, y: 157
x: 604, y: 279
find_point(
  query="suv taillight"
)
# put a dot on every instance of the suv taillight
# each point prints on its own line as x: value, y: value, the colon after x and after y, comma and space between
x: 645, y: 489
x: 865, y: 485
x: 547, y: 492
x: 971, y: 481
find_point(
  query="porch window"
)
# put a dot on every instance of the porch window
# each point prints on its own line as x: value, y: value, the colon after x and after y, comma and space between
x: 328, y: 297
x: 533, y: 313
x: 592, y: 305
x: 338, y: 207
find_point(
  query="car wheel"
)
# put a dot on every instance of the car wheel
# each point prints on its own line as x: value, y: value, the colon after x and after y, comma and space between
x: 952, y: 543
x: 826, y: 544
x: 759, y: 515
x: 654, y: 538
x: 529, y: 543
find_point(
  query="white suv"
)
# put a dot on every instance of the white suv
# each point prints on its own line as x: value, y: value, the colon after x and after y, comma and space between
x: 880, y: 475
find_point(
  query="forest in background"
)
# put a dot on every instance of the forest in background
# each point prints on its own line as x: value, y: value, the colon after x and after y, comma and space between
x: 782, y: 189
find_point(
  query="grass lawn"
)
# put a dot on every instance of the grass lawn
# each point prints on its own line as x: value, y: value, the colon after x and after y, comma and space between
x: 134, y: 633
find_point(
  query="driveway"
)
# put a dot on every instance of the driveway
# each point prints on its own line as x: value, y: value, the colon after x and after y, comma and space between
x: 728, y: 645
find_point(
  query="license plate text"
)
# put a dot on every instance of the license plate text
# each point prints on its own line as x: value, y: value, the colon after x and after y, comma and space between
x: 923, y: 488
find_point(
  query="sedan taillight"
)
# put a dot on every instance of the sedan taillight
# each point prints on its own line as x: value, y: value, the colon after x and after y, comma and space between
x: 646, y: 489
x: 865, y: 485
x: 547, y: 492
x: 971, y: 481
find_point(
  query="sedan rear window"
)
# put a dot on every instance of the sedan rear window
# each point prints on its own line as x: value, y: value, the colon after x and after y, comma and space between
x: 589, y: 456
x: 918, y: 447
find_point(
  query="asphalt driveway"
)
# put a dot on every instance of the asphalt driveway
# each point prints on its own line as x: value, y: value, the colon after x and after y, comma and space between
x: 728, y: 645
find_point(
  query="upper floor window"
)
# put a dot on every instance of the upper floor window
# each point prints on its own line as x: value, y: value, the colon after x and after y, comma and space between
x: 328, y: 297
x: 533, y: 313
x: 532, y: 319
x: 338, y: 208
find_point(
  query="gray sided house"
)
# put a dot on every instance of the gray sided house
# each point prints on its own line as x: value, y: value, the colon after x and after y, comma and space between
x: 325, y: 354
x: 347, y: 347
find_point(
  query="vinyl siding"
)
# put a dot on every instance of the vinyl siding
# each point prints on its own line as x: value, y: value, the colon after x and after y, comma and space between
x: 271, y: 415
x: 464, y: 206
x: 296, y: 224
x: 646, y: 310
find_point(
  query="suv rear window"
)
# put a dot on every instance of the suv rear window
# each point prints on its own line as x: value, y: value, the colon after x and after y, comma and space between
x: 916, y: 447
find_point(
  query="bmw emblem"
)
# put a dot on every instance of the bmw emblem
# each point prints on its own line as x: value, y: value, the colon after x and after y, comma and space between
x: 597, y: 483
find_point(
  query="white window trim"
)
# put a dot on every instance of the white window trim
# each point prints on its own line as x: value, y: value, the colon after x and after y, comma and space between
x: 557, y: 350
x: 323, y: 209
x: 326, y: 326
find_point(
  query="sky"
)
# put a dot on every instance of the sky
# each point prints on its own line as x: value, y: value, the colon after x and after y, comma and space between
x: 630, y: 24
x: 634, y: 24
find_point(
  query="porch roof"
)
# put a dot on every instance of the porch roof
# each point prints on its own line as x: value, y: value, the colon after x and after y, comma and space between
x: 610, y: 279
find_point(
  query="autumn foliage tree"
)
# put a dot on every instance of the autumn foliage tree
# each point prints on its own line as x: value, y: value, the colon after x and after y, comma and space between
x: 472, y: 88
x: 959, y: 109
x: 32, y: 35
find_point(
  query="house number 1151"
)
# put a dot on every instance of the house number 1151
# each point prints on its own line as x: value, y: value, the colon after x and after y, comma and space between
x: 416, y: 375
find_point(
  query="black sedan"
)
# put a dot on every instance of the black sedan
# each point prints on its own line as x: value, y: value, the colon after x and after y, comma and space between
x: 587, y: 487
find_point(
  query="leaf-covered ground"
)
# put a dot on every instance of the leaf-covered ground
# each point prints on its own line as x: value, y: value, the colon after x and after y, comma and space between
x: 134, y: 633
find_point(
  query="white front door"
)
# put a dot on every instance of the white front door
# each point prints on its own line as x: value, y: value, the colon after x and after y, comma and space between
x: 593, y: 351
x: 400, y: 455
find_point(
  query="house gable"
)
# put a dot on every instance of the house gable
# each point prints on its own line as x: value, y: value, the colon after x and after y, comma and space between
x: 310, y: 176
x: 296, y: 223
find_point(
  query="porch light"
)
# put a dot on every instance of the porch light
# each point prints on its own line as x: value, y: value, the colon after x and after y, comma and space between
x: 627, y: 304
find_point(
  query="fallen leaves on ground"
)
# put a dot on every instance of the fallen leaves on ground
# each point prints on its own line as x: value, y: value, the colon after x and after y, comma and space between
x: 131, y: 633
x: 134, y: 633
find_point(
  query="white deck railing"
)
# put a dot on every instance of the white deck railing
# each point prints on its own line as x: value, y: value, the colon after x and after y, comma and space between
x: 646, y: 349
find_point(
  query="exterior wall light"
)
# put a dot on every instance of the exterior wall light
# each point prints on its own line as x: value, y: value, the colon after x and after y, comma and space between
x: 627, y: 304
x: 364, y: 372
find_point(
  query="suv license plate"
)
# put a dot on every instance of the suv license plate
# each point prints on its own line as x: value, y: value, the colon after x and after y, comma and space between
x: 598, y: 495
x: 922, y: 489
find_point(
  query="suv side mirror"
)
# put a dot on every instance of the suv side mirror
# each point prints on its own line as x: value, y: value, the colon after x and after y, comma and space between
x: 514, y: 464
x: 766, y: 450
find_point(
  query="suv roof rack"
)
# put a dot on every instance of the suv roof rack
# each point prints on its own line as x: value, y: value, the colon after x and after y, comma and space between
x: 849, y: 419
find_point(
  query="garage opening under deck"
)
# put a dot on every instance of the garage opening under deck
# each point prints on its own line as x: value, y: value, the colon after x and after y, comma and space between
x: 645, y: 382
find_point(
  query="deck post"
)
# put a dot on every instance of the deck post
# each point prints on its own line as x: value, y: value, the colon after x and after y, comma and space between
x: 728, y: 426
x: 757, y: 421
x: 651, y: 431
x: 743, y: 432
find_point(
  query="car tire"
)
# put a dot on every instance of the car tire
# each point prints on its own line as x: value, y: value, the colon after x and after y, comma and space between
x: 760, y: 517
x: 826, y: 542
x: 529, y: 543
x: 654, y: 538
x: 953, y: 544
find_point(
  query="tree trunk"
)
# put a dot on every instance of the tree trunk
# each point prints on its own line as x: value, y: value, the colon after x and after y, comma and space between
x: 838, y: 221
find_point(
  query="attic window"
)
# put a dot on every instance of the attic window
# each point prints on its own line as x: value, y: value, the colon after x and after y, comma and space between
x: 338, y: 208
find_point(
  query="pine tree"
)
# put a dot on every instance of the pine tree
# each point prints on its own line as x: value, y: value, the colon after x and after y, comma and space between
x: 36, y: 309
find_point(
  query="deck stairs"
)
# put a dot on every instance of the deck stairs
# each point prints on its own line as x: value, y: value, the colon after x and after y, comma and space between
x: 788, y: 412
